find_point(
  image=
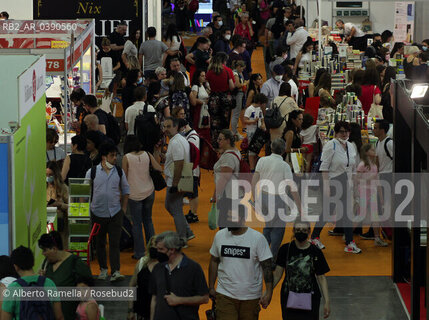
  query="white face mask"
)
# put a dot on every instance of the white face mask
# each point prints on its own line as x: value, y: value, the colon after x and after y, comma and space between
x: 220, y: 23
x: 278, y: 78
x: 109, y: 165
x: 228, y: 37
x: 343, y: 141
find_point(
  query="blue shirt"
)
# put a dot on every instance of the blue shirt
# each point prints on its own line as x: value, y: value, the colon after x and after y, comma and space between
x: 106, y: 192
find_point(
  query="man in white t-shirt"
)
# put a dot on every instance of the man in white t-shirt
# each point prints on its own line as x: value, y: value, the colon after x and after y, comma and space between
x: 384, y: 153
x: 178, y: 153
x: 133, y: 111
x: 273, y: 168
x: 240, y: 258
x: 353, y: 35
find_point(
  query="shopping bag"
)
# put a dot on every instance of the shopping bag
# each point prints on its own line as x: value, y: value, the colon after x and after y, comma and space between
x: 213, y: 217
x: 186, y: 183
x: 259, y: 138
x: 297, y: 161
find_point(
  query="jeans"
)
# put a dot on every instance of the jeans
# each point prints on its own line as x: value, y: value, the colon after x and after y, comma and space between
x: 141, y: 212
x: 113, y: 227
x: 274, y: 230
x: 344, y: 221
x: 174, y: 206
x: 237, y: 111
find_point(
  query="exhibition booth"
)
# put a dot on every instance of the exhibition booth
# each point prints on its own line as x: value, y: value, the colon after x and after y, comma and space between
x: 22, y: 157
x: 69, y: 47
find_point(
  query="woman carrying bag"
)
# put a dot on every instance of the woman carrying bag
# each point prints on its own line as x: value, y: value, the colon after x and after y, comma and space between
x: 305, y: 267
x: 199, y: 98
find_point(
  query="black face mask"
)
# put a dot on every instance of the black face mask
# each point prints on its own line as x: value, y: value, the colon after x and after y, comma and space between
x: 153, y: 253
x: 162, y: 257
x: 233, y: 229
x: 301, y: 236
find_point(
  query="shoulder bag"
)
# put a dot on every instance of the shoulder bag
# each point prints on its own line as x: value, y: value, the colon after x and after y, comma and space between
x: 376, y: 110
x: 295, y: 300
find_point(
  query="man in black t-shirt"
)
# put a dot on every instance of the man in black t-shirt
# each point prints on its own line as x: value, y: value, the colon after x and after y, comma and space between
x: 90, y: 103
x: 117, y: 38
x: 108, y: 52
x: 178, y: 285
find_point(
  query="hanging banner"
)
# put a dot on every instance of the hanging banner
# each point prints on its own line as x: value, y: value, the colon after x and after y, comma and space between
x: 404, y: 21
x: 107, y: 14
x: 5, y: 204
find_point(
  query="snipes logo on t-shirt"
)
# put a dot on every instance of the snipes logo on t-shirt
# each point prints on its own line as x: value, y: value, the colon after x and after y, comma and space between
x: 235, y: 252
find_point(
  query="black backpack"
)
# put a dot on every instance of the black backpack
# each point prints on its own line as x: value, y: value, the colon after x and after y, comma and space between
x: 273, y: 118
x: 35, y: 310
x: 385, y: 148
x: 147, y: 130
x: 113, y: 131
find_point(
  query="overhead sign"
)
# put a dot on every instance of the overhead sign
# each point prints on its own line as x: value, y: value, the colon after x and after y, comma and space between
x: 31, y: 86
x: 107, y: 14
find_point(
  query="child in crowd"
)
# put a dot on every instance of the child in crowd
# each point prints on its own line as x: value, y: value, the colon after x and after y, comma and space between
x: 367, y: 174
x: 238, y: 67
x: 309, y: 138
x: 253, y: 119
x: 88, y: 308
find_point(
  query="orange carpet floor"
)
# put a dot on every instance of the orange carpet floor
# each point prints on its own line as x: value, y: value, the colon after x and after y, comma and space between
x: 373, y: 261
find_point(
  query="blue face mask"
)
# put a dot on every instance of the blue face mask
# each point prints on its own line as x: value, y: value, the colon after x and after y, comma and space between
x: 50, y: 179
x: 140, y: 81
x: 424, y: 48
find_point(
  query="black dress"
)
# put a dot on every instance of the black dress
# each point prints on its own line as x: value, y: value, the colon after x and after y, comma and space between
x: 142, y: 304
x: 79, y: 165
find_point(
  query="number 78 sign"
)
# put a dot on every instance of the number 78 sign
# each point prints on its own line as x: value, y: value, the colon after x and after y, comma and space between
x: 54, y: 65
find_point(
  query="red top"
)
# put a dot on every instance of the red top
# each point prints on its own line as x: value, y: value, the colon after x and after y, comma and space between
x: 366, y: 97
x: 219, y: 82
x: 243, y: 30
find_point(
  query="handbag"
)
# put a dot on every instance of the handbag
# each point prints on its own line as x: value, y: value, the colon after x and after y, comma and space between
x: 376, y: 110
x: 297, y: 160
x: 186, y: 182
x: 204, y: 119
x: 295, y: 300
x: 213, y: 217
x: 259, y: 139
x: 157, y: 178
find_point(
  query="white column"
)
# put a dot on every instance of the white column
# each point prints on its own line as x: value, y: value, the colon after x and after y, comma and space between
x: 320, y: 30
x: 154, y: 16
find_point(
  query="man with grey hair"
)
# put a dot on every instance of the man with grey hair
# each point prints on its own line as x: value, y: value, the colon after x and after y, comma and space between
x: 273, y: 169
x: 178, y: 285
x: 297, y: 39
x: 161, y: 75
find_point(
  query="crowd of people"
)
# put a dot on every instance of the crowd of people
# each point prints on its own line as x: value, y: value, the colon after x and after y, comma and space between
x: 195, y: 106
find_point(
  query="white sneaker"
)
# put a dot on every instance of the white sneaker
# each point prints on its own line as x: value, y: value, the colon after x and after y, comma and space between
x: 103, y: 274
x: 352, y: 248
x: 318, y: 243
x: 380, y: 243
x: 116, y: 276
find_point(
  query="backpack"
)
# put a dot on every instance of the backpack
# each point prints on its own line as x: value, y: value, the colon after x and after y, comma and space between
x: 179, y: 99
x: 147, y: 129
x: 35, y: 310
x: 273, y: 117
x: 195, y: 151
x: 244, y: 168
x: 208, y: 155
x: 113, y: 131
x: 94, y: 172
x: 385, y: 148
x: 194, y: 5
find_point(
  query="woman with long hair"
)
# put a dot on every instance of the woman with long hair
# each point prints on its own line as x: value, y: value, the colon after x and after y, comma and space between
x: 178, y: 95
x: 221, y: 80
x: 304, y: 55
x: 57, y: 196
x: 136, y: 164
x: 323, y: 90
x: 173, y: 41
x: 312, y: 86
x: 255, y: 85
x: 386, y: 99
x: 141, y: 279
x: 291, y: 134
x: 199, y: 98
x: 371, y: 92
x: 130, y: 52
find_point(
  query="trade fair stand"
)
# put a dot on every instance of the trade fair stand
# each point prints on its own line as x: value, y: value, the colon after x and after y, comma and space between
x: 69, y: 47
x: 22, y: 153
